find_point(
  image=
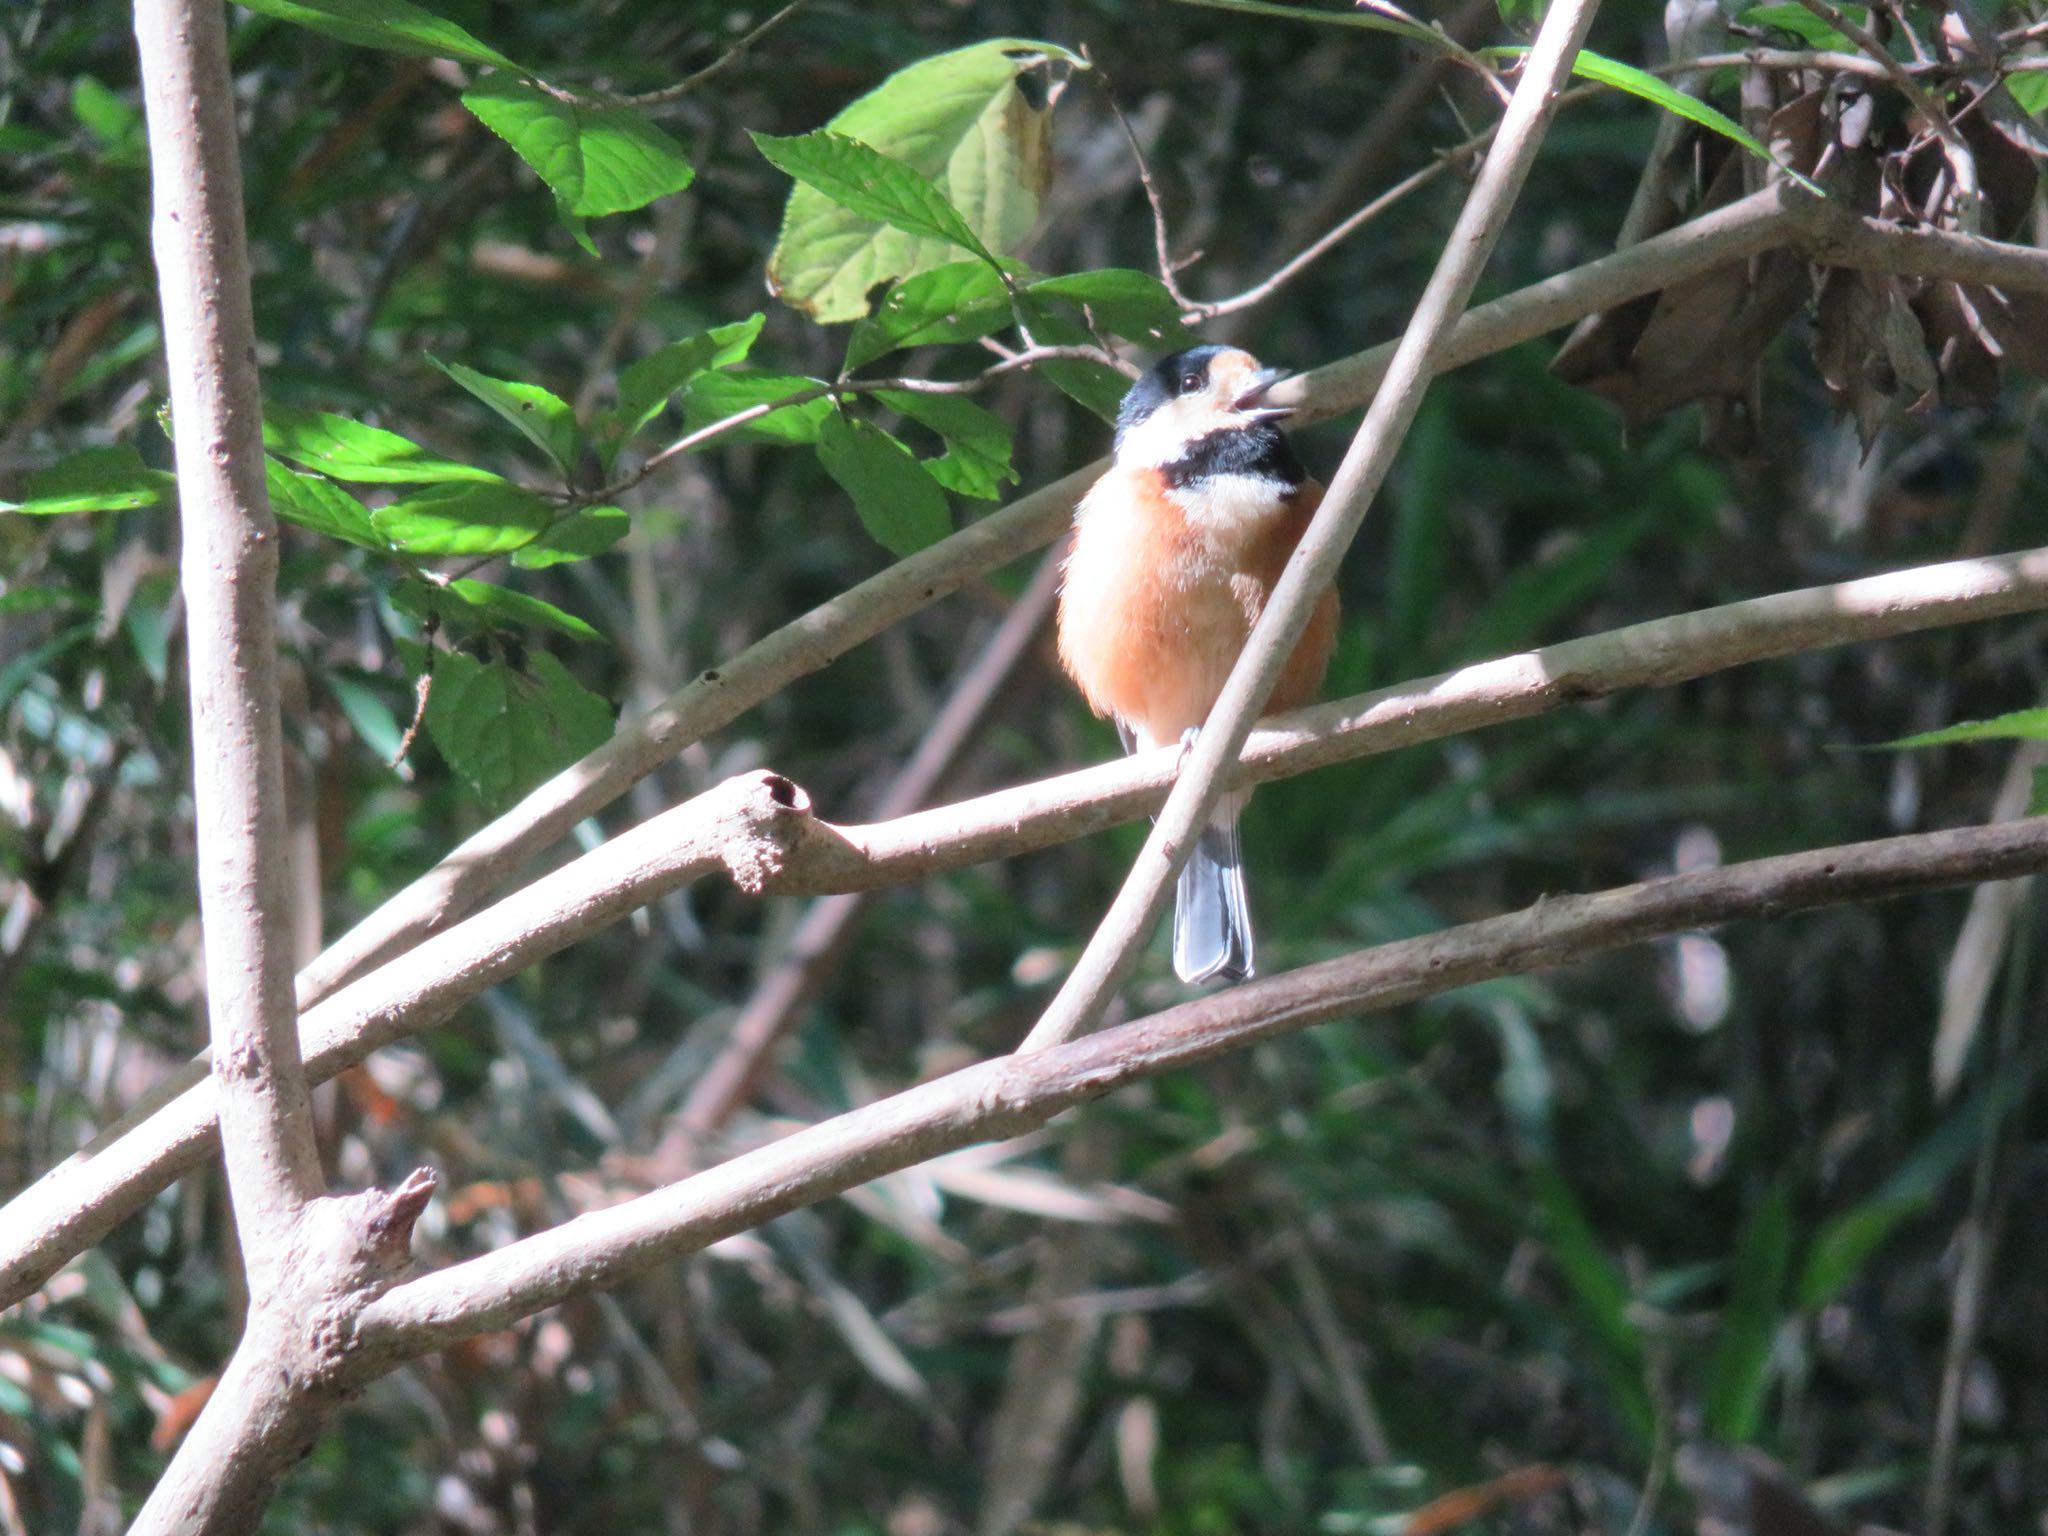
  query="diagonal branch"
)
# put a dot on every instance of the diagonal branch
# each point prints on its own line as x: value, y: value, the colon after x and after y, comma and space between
x: 1114, y: 948
x: 757, y: 829
x: 1009, y: 1096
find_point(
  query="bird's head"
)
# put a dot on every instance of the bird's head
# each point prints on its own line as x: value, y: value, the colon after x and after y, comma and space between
x: 1190, y: 396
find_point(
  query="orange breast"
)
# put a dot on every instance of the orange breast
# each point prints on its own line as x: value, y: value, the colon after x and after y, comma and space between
x: 1153, y: 614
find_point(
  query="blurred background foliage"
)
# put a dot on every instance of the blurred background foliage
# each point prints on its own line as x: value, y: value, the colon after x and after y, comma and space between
x: 1573, y: 1244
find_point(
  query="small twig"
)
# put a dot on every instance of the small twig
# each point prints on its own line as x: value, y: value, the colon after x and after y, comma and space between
x: 670, y: 94
x: 1162, y: 248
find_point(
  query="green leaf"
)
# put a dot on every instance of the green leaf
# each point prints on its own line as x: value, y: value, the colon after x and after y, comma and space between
x: 1097, y: 386
x: 111, y: 479
x: 974, y: 123
x: 867, y: 182
x: 1742, y: 1358
x: 1602, y: 70
x: 1801, y: 23
x: 321, y: 505
x: 2020, y: 725
x: 368, y: 713
x: 541, y: 414
x: 898, y: 502
x: 977, y: 457
x: 645, y: 386
x: 106, y: 115
x: 462, y: 520
x: 590, y: 532
x: 348, y: 450
x: 39, y: 600
x: 717, y: 395
x: 395, y: 26
x: 2030, y: 90
x: 501, y: 607
x: 506, y: 728
x: 960, y: 301
x: 1127, y: 303
x: 598, y: 160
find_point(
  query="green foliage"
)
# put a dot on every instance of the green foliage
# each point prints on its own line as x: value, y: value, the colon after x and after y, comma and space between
x: 2018, y: 725
x: 645, y: 386
x: 506, y: 724
x: 349, y: 450
x: 598, y: 159
x: 542, y: 416
x: 461, y: 519
x: 320, y: 505
x: 395, y: 26
x: 110, y: 479
x: 898, y: 502
x: 962, y: 122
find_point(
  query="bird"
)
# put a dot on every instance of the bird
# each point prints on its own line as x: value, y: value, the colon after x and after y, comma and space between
x: 1175, y: 550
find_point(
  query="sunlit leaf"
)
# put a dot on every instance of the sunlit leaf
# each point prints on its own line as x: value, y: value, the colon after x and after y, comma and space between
x: 974, y: 124
x: 111, y: 479
x: 1802, y: 24
x: 718, y: 395
x: 645, y: 386
x: 503, y: 607
x: 506, y: 727
x: 598, y: 160
x: 977, y: 457
x: 959, y: 301
x: 349, y: 450
x: 314, y: 502
x: 589, y: 532
x: 1127, y: 303
x: 395, y: 26
x: 462, y: 520
x: 543, y: 416
x: 2020, y: 725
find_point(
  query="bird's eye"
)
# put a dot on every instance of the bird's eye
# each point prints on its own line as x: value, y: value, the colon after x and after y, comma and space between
x: 1190, y: 382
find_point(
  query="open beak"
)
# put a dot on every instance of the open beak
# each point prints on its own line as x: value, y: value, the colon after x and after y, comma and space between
x: 1250, y: 401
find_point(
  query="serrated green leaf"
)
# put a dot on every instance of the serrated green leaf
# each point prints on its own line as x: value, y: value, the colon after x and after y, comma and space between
x: 598, y: 160
x: 960, y: 301
x: 715, y: 396
x: 348, y: 450
x: 898, y: 502
x: 1602, y: 70
x: 1740, y: 1374
x: 462, y: 519
x: 1124, y: 302
x: 589, y: 532
x: 501, y: 607
x: 541, y: 414
x: 395, y: 26
x: 319, y: 504
x: 506, y: 728
x: 110, y: 479
x: 2020, y: 725
x: 960, y: 120
x: 645, y: 386
x: 1801, y: 23
x: 867, y: 182
x: 977, y: 457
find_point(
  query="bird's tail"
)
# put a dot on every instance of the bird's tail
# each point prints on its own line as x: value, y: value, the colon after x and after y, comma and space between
x: 1212, y: 920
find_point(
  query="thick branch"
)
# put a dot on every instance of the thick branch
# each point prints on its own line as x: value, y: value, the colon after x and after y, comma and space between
x: 230, y: 589
x: 1113, y: 949
x: 1009, y: 1096
x: 758, y: 829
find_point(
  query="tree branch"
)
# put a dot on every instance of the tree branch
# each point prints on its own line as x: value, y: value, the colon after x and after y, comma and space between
x: 1009, y: 1096
x: 758, y: 830
x: 229, y: 581
x: 1114, y: 948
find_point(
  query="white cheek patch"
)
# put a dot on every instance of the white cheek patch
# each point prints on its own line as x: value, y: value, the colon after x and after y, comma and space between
x: 1164, y: 436
x: 1221, y: 503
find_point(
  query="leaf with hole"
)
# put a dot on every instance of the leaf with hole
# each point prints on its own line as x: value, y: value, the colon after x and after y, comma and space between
x: 597, y: 159
x: 505, y: 728
x: 960, y: 301
x: 1127, y: 303
x: 110, y: 479
x: 462, y: 520
x: 898, y: 502
x: 394, y: 26
x: 974, y: 124
x: 542, y: 415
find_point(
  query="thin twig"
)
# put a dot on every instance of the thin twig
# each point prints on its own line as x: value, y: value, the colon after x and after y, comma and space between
x: 1014, y: 1094
x: 1114, y: 947
x: 1162, y: 248
x: 670, y: 94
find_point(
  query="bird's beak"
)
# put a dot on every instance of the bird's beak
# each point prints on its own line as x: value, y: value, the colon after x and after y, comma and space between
x: 1250, y: 400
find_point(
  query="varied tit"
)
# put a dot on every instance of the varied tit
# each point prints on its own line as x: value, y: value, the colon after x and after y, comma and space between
x: 1175, y: 552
